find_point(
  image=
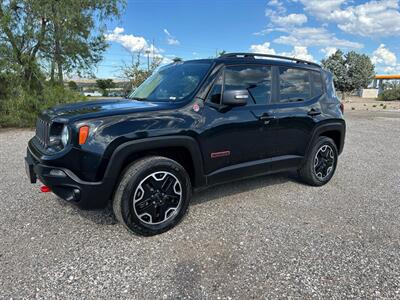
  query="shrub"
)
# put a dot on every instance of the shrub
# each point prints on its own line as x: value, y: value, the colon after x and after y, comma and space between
x: 21, y: 110
x: 390, y: 94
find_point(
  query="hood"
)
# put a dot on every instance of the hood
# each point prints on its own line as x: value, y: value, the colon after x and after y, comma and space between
x: 103, y: 108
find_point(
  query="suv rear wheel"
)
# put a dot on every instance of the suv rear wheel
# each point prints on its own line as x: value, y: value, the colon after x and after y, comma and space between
x: 320, y: 163
x: 153, y: 195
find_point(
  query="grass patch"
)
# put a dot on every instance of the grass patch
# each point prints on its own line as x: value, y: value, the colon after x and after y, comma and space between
x: 22, y: 109
x: 390, y: 94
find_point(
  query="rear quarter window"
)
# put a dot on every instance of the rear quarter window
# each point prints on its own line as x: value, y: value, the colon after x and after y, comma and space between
x: 317, y: 83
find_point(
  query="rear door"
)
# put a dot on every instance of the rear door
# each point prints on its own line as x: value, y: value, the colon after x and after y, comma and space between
x: 296, y: 107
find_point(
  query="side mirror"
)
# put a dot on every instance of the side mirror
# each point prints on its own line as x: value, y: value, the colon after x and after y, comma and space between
x: 235, y: 97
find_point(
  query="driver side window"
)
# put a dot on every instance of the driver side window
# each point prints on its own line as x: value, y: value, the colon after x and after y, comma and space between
x: 214, y: 96
x: 257, y: 80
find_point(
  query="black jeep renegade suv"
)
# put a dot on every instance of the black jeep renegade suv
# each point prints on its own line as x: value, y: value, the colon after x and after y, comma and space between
x: 191, y: 124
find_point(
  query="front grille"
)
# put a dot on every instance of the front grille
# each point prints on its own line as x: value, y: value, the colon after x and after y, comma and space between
x: 43, y: 131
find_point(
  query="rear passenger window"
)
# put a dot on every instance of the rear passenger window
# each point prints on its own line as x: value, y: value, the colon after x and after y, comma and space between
x: 317, y: 88
x: 294, y: 85
x: 255, y: 79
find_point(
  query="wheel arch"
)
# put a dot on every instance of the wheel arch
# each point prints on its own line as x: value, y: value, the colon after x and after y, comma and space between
x: 182, y: 149
x: 334, y: 130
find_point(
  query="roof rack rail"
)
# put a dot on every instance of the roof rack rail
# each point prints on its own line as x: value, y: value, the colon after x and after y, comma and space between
x: 254, y: 55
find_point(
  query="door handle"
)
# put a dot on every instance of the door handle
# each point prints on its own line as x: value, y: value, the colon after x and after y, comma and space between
x: 262, y: 118
x: 266, y: 119
x: 314, y: 112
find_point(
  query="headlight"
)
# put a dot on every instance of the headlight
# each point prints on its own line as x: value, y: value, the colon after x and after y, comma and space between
x: 65, y: 136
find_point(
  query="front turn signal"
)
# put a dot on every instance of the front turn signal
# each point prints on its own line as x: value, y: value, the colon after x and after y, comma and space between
x: 83, y: 134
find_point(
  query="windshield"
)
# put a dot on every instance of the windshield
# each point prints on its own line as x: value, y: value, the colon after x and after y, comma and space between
x: 172, y: 82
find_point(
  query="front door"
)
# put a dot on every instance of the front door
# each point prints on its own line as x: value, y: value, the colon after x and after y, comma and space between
x: 233, y: 136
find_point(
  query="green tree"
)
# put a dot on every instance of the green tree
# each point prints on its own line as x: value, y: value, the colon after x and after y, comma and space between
x: 23, y: 27
x: 220, y: 53
x: 351, y: 71
x: 76, y: 40
x: 72, y: 85
x: 104, y: 85
x: 65, y: 35
x: 177, y: 59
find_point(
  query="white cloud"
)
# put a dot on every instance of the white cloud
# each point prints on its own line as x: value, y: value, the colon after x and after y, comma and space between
x: 391, y: 70
x: 170, y: 39
x: 385, y: 60
x: 262, y: 48
x: 328, y: 51
x: 297, y: 35
x: 277, y: 16
x: 312, y: 36
x: 384, y: 56
x: 289, y: 20
x: 118, y: 30
x: 277, y: 6
x: 129, y: 41
x: 321, y: 9
x: 299, y: 52
x: 372, y: 19
x: 134, y: 43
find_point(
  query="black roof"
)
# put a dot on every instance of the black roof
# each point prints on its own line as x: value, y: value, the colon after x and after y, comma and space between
x: 274, y: 57
x: 259, y: 58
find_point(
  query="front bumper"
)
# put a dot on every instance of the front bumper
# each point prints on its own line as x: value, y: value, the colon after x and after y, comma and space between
x: 66, y: 185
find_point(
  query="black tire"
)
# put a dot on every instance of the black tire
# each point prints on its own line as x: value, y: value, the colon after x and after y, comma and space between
x: 308, y: 172
x: 146, y: 172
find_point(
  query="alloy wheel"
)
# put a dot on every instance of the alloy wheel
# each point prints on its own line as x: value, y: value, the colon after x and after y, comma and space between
x: 157, y: 198
x: 324, y: 162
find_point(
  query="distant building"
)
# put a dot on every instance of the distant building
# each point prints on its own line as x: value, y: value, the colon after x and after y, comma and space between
x: 378, y: 85
x: 380, y: 81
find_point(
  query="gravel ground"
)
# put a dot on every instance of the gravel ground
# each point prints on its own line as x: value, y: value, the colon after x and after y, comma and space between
x: 268, y: 237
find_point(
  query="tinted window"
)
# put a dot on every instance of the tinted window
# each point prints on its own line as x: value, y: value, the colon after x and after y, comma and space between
x: 172, y: 82
x: 214, y: 95
x: 255, y: 79
x: 294, y: 85
x: 317, y: 88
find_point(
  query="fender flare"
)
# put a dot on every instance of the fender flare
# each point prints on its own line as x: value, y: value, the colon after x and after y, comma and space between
x: 337, y: 125
x: 123, y: 151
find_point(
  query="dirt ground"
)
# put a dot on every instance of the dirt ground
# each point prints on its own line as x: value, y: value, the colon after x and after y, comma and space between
x: 370, y: 104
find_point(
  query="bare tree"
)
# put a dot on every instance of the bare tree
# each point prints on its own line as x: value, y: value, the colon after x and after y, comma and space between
x: 137, y: 70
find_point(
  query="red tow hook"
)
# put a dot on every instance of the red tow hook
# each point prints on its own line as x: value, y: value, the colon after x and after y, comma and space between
x: 45, y: 189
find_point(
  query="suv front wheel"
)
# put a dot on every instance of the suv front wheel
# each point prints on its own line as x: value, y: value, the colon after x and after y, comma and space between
x: 153, y: 195
x: 320, y: 163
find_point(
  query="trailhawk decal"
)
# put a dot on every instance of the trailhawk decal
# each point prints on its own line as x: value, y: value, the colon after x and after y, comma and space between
x: 220, y: 154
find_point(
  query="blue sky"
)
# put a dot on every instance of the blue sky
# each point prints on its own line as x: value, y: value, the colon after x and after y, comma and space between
x: 308, y: 29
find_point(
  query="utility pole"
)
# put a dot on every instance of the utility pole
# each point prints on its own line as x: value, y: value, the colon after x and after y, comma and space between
x: 148, y: 59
